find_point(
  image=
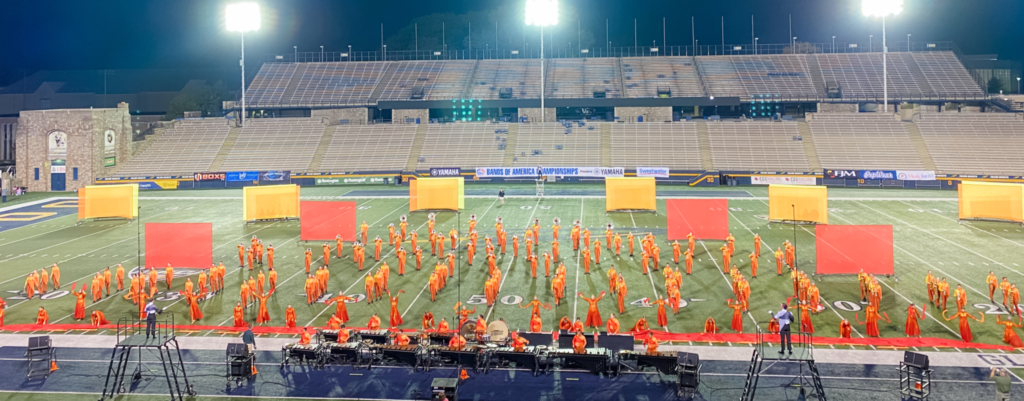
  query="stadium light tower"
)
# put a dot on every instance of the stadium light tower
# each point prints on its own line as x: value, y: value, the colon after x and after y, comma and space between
x: 541, y: 13
x: 883, y: 8
x: 242, y: 18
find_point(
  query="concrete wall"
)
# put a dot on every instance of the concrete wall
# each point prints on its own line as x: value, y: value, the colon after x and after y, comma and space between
x: 533, y: 114
x: 838, y: 108
x: 398, y: 116
x: 85, y: 129
x: 354, y: 115
x: 650, y: 114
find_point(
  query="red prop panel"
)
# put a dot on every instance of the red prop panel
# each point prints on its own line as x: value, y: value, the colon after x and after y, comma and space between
x: 848, y: 249
x: 321, y: 221
x: 705, y: 218
x: 180, y: 244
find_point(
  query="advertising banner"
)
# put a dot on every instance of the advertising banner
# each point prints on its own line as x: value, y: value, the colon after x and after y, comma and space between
x: 841, y: 174
x: 445, y: 172
x: 236, y: 176
x: 209, y: 177
x: 508, y: 172
x: 661, y: 172
x: 109, y: 161
x: 878, y: 174
x: 109, y: 142
x: 349, y: 181
x: 787, y: 180
x: 915, y: 175
x: 275, y: 175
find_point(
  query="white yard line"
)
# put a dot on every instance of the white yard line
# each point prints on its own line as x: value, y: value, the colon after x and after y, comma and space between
x: 575, y: 297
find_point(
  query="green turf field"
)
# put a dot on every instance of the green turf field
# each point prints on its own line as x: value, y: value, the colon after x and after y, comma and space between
x: 927, y: 236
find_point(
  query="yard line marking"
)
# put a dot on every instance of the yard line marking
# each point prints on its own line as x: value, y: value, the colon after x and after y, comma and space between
x: 944, y: 239
x: 971, y: 227
x: 58, y: 229
x: 510, y: 262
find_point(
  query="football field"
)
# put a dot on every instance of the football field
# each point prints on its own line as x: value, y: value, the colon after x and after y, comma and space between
x: 927, y: 236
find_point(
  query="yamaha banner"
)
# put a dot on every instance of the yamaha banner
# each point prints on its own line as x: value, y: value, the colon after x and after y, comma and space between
x: 508, y: 172
x: 235, y: 176
x: 445, y: 172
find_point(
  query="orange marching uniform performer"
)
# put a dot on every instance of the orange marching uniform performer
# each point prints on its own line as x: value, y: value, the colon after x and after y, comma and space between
x: 737, y: 315
x: 965, y: 325
x: 641, y: 325
x: 726, y: 258
x: 239, y: 315
x: 428, y: 321
x: 395, y: 318
x: 338, y: 245
x: 195, y: 313
x: 912, y: 328
x: 651, y: 342
x: 270, y: 256
x: 845, y: 329
x: 327, y: 254
x: 241, y: 255
x: 710, y: 327
x: 536, y: 324
x: 55, y: 276
x: 778, y: 261
x: 79, y: 302
x: 662, y: 316
x: 309, y: 259
x: 119, y: 275
x: 341, y: 310
x: 97, y: 319
x: 871, y: 318
x: 289, y: 317
x: 579, y: 343
x: 374, y: 323
x: 42, y: 317
x: 612, y: 325
x: 593, y: 314
x: 169, y: 275
x: 262, y: 314
x: 1009, y: 336
x: 993, y: 283
x: 753, y: 265
x: 30, y: 285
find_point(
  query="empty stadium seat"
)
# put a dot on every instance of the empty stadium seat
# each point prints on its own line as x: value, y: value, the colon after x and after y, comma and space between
x: 673, y: 145
x: 522, y: 75
x: 974, y: 143
x: 274, y: 144
x: 439, y: 79
x: 580, y: 77
x: 379, y: 147
x: 860, y: 74
x: 783, y: 75
x: 467, y: 145
x: 865, y: 141
x: 189, y: 147
x: 646, y: 75
x: 338, y: 83
x: 582, y: 147
x: 757, y: 146
x: 946, y: 75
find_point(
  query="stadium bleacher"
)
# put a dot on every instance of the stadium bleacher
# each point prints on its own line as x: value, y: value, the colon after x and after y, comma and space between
x: 581, y: 147
x: 467, y: 145
x: 646, y: 75
x: 673, y: 145
x: 190, y: 146
x: 274, y: 144
x: 753, y: 146
x: 974, y: 143
x: 581, y: 77
x: 383, y: 147
x: 783, y: 75
x: 522, y: 75
x: 860, y: 74
x: 268, y: 87
x: 439, y: 79
x: 863, y: 141
x: 337, y: 83
x: 946, y: 75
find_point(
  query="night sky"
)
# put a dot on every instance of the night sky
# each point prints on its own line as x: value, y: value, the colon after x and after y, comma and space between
x: 114, y: 34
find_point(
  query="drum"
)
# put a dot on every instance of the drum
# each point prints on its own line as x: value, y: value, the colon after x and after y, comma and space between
x: 498, y: 331
x: 468, y: 331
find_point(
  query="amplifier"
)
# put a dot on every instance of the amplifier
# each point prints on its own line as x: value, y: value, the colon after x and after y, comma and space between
x: 449, y: 387
x: 236, y: 349
x: 916, y: 360
x: 688, y: 360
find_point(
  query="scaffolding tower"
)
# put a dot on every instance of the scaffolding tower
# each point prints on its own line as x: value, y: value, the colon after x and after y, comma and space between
x: 132, y: 336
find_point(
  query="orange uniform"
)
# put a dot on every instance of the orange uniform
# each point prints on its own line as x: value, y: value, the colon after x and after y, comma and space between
x: 289, y: 317
x: 593, y: 314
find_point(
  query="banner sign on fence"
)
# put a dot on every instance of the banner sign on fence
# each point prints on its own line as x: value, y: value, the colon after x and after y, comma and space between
x: 236, y: 176
x: 275, y: 176
x: 841, y: 174
x: 787, y: 180
x: 661, y: 172
x: 878, y: 174
x: 915, y: 175
x: 445, y: 172
x: 349, y: 181
x: 209, y: 176
x: 509, y: 172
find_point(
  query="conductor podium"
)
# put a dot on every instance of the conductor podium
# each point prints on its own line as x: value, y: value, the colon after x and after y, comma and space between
x: 132, y: 336
x: 802, y: 354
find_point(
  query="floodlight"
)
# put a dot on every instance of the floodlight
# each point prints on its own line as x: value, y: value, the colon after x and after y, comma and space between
x: 541, y: 12
x: 881, y: 8
x: 243, y: 17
